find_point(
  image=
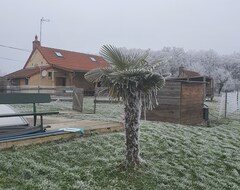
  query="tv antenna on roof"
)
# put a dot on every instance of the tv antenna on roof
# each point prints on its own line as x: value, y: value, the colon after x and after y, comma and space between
x: 41, y: 21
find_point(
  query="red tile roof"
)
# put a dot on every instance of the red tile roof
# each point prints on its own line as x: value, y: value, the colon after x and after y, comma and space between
x: 23, y: 73
x: 71, y: 61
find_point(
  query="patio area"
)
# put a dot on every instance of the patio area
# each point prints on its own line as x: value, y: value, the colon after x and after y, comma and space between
x: 56, y: 131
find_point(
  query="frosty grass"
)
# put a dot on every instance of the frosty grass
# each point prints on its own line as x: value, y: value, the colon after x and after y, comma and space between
x: 177, y: 156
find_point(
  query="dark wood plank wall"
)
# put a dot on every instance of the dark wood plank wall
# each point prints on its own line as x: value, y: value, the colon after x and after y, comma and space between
x: 168, y: 109
x: 192, y: 103
x: 179, y: 102
x: 209, y: 85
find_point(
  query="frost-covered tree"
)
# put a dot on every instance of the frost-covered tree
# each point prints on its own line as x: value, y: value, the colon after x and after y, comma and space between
x: 174, y: 57
x: 221, y: 76
x: 194, y: 62
x: 203, y: 62
x: 130, y: 77
x: 210, y: 61
x: 231, y: 63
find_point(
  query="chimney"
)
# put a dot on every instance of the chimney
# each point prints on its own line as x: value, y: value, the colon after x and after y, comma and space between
x: 36, y: 43
x: 181, y: 68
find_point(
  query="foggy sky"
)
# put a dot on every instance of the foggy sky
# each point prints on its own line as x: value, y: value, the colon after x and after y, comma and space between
x: 85, y: 25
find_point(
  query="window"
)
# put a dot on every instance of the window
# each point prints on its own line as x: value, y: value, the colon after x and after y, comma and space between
x: 58, y: 54
x: 93, y: 59
x: 50, y: 75
x: 26, y: 81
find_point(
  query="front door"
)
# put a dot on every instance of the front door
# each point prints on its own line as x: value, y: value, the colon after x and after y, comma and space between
x: 60, y: 81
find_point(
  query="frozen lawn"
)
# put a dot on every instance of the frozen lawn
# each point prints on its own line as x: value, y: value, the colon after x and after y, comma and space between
x: 177, y: 157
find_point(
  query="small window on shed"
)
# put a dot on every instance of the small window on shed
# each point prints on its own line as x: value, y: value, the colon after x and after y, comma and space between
x: 93, y: 59
x: 58, y: 54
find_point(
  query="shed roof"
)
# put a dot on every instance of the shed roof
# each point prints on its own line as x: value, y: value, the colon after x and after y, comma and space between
x: 185, y: 80
x: 188, y: 73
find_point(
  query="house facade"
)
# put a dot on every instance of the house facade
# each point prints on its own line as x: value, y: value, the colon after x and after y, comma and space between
x: 56, y: 67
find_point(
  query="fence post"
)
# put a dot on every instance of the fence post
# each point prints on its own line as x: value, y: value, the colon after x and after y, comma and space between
x: 237, y: 99
x: 77, y: 103
x: 225, y: 111
x: 95, y: 101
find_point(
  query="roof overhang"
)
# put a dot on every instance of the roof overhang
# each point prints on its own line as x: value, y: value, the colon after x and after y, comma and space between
x: 69, y: 70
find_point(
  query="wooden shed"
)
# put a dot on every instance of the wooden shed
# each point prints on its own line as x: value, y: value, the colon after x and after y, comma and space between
x: 179, y: 101
x: 189, y: 75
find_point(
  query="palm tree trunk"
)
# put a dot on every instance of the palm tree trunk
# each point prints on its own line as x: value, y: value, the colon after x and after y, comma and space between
x: 132, y: 122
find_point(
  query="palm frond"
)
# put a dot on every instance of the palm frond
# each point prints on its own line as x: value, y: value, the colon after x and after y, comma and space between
x: 122, y: 60
x: 96, y: 75
x: 130, y: 73
x: 138, y: 59
x: 114, y: 56
x: 153, y: 80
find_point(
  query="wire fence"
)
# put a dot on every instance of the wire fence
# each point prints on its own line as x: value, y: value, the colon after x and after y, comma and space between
x: 59, y: 94
x: 101, y: 97
x: 228, y: 104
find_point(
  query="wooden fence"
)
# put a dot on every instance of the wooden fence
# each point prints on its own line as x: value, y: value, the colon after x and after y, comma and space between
x: 63, y: 93
x: 66, y: 91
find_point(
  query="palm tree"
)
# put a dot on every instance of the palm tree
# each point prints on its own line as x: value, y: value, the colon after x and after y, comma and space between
x: 130, y: 78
